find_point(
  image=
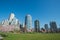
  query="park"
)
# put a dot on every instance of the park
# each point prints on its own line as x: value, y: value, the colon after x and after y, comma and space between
x: 32, y: 36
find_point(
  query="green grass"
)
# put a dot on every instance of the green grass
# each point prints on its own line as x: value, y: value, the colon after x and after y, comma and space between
x: 35, y: 36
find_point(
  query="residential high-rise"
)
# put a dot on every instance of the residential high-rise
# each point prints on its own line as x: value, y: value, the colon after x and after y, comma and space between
x: 12, y: 16
x: 46, y: 27
x: 28, y: 23
x: 53, y: 26
x: 37, y: 25
x: 13, y: 20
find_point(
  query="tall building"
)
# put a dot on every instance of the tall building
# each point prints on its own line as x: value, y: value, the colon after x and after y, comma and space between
x: 37, y: 25
x: 28, y: 23
x: 11, y: 17
x: 5, y: 22
x: 46, y: 27
x: 53, y: 26
x: 12, y: 21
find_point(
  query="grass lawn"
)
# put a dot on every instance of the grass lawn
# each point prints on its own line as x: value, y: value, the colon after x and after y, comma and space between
x: 35, y: 36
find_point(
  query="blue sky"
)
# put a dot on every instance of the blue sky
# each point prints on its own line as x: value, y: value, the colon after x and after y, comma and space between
x: 44, y: 10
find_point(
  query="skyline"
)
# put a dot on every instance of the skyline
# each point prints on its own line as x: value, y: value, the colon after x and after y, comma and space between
x: 43, y: 10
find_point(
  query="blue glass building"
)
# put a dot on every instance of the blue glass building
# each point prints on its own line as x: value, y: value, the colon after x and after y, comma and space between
x: 28, y: 23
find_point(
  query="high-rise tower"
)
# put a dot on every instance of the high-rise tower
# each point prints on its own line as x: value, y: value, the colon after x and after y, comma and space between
x: 37, y: 25
x: 53, y: 26
x: 11, y: 16
x: 28, y: 23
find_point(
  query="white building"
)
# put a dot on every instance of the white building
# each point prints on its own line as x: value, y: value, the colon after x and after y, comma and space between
x: 12, y: 20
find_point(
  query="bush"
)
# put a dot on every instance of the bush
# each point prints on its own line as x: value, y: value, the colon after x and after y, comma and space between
x: 4, y: 35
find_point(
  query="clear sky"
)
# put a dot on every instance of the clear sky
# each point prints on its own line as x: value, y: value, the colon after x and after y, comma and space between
x: 43, y: 10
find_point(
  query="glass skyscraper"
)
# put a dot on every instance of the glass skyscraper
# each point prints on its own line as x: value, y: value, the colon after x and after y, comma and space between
x: 37, y: 25
x: 46, y: 27
x: 53, y: 26
x: 28, y: 23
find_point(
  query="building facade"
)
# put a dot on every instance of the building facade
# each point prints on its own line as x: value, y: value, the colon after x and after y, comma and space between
x: 53, y: 26
x: 37, y: 25
x: 28, y: 23
x: 46, y: 27
x: 12, y: 20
